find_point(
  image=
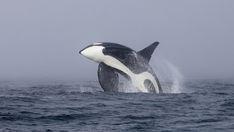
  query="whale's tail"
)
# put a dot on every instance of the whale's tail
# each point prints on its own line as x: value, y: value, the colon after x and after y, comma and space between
x: 147, y: 52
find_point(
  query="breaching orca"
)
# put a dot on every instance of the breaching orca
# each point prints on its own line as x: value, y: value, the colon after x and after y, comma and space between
x: 115, y: 59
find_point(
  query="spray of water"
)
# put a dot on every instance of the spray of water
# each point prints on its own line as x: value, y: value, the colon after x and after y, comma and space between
x: 169, y: 75
x: 126, y: 86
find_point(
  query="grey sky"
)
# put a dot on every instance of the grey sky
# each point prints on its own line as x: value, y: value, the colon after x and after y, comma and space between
x: 41, y: 38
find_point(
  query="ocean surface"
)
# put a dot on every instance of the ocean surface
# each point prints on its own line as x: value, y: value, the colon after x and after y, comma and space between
x: 202, y: 106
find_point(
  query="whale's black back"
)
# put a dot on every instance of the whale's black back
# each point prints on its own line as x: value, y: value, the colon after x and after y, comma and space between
x: 127, y: 56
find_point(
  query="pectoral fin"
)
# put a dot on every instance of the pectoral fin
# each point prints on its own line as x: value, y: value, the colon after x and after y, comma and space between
x: 108, y: 78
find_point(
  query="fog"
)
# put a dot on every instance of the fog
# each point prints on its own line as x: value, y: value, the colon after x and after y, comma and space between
x: 41, y: 39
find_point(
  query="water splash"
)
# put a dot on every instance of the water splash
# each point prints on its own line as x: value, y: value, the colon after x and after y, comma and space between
x: 170, y: 76
x: 125, y: 86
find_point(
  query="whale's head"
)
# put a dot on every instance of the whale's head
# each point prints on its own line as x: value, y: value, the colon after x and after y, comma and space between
x: 93, y: 52
x: 97, y: 51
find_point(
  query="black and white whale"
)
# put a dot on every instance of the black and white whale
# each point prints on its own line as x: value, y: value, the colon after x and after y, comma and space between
x: 115, y: 59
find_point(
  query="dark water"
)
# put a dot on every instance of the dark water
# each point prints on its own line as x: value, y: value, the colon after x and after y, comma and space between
x: 59, y: 106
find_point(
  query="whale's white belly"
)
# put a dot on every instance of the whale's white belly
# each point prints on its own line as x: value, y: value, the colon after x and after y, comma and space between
x: 137, y: 79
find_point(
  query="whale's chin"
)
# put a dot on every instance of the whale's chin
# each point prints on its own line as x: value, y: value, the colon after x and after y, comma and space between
x: 92, y: 59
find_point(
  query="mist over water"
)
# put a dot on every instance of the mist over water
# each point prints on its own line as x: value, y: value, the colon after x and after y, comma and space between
x: 41, y: 39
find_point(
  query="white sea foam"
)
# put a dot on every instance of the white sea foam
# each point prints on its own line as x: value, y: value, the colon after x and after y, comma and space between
x: 125, y: 86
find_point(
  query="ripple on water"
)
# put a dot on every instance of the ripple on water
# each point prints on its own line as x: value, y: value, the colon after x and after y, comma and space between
x: 64, y: 107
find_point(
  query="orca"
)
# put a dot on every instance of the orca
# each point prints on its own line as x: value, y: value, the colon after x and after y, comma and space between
x: 115, y: 59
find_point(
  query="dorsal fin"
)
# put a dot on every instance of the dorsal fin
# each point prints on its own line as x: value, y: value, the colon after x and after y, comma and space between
x: 147, y: 52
